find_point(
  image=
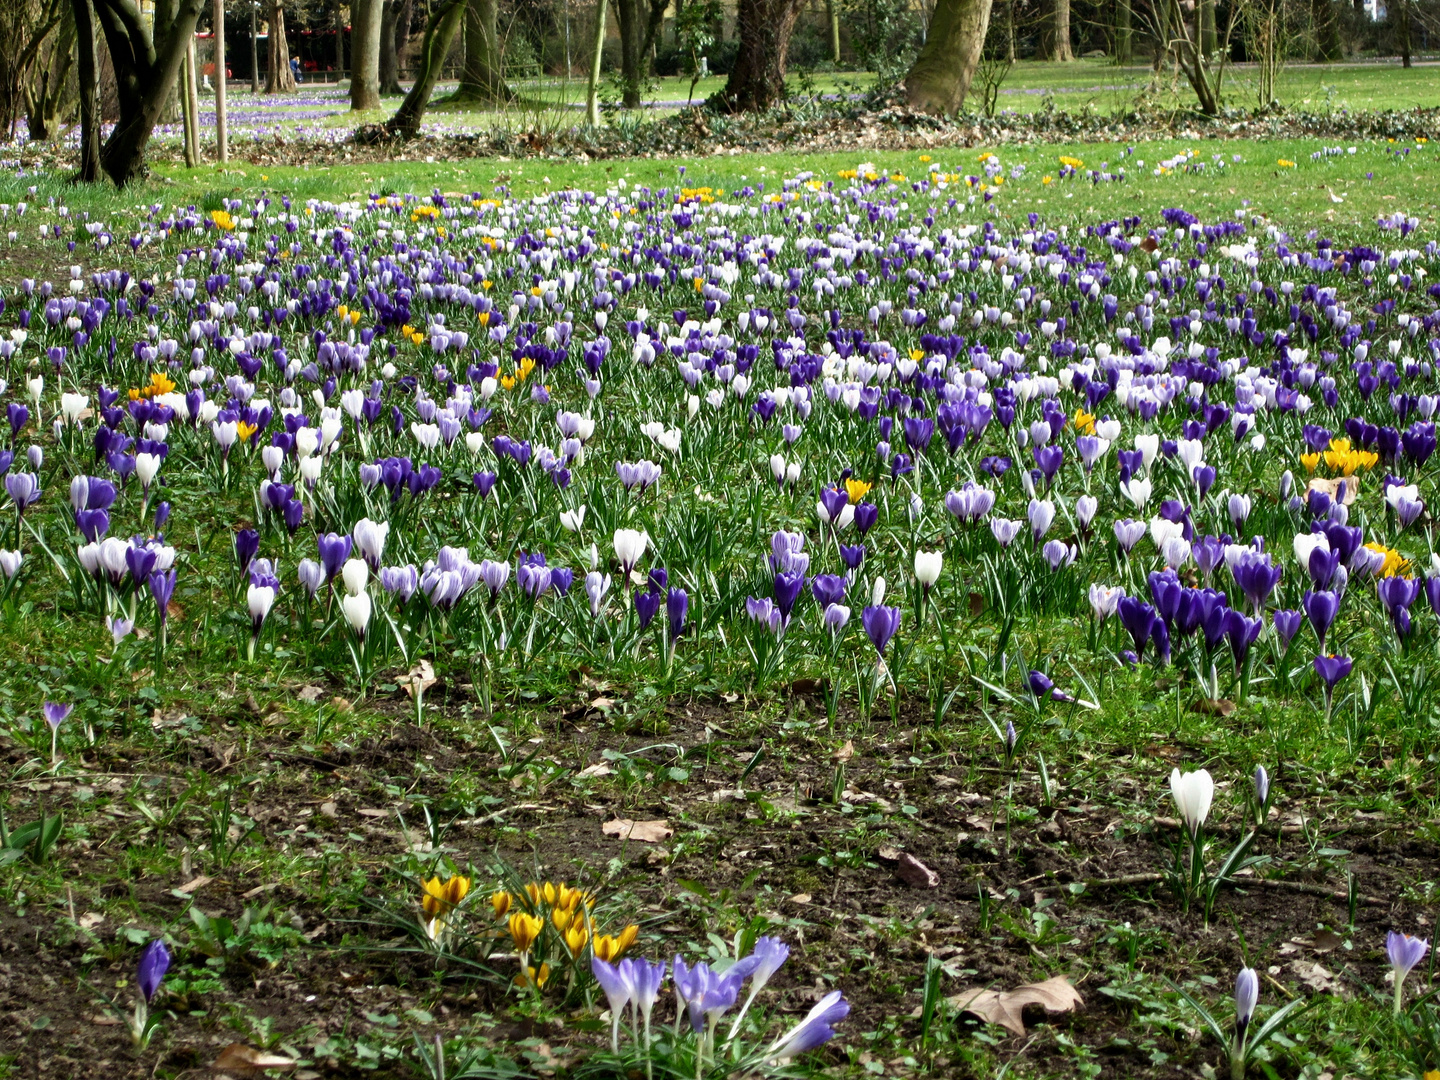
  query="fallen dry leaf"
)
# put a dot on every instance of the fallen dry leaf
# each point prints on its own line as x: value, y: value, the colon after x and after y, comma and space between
x: 647, y: 832
x: 1213, y: 706
x: 309, y: 694
x: 1005, y: 1007
x: 247, y: 1061
x: 421, y: 678
x: 1331, y: 487
x: 846, y: 752
x: 195, y: 884
x: 914, y: 873
x: 598, y: 769
x: 1314, y: 976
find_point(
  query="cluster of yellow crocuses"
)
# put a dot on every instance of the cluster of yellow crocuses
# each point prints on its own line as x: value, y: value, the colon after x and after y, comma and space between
x: 525, y: 917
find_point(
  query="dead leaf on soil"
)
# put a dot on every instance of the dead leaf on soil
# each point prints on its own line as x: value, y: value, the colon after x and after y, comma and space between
x: 647, y: 832
x: 195, y: 884
x: 1213, y: 707
x: 245, y: 1060
x: 309, y: 694
x: 1005, y: 1007
x: 90, y: 920
x: 421, y: 678
x: 909, y: 869
x: 598, y: 769
x: 800, y: 898
x: 1314, y: 976
x: 846, y: 752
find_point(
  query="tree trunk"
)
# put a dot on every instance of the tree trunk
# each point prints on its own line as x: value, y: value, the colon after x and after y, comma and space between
x: 1404, y: 32
x: 277, y: 52
x: 1060, y: 13
x: 941, y: 76
x: 592, y: 89
x: 389, y: 60
x: 1123, y: 22
x: 47, y: 89
x: 1208, y: 40
x: 833, y: 7
x: 145, y: 76
x: 88, y: 72
x: 1162, y: 33
x: 187, y: 107
x: 757, y: 81
x: 1327, y: 31
x: 365, y: 55
x: 222, y: 134
x: 340, y: 66
x: 482, y: 78
x: 254, y: 55
x: 640, y: 21
x: 440, y: 33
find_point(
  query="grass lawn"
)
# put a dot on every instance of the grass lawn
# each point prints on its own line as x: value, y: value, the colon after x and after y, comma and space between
x: 266, y: 781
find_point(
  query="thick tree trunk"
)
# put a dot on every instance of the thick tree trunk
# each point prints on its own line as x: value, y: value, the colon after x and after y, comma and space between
x: 941, y: 76
x: 1208, y: 40
x: 440, y: 33
x: 340, y: 66
x: 145, y: 76
x: 757, y: 81
x: 222, y: 135
x: 87, y: 69
x: 365, y: 54
x: 482, y: 78
x: 1060, y: 13
x: 1123, y: 22
x: 277, y: 53
x: 1404, y: 32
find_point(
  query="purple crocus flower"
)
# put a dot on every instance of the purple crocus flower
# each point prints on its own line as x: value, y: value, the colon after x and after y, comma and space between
x: 616, y: 981
x: 816, y: 1029
x: 647, y: 605
x: 1257, y: 577
x: 1242, y: 633
x: 677, y: 603
x: 1403, y: 952
x: 334, y: 550
x: 154, y: 962
x: 1139, y: 620
x: 880, y: 624
x: 1040, y: 685
x: 162, y: 588
x: 1332, y: 669
x: 247, y: 546
x: 1287, y: 625
x: 830, y: 589
x: 788, y: 587
x: 1321, y: 608
x: 55, y: 713
x: 24, y: 489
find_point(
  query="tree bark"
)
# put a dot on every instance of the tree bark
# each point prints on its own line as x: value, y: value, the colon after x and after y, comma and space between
x: 940, y: 77
x: 365, y: 55
x: 1404, y: 32
x: 757, y: 81
x: 277, y: 53
x: 1124, y: 20
x: 482, y: 77
x: 222, y: 134
x: 47, y: 88
x: 254, y: 55
x: 1060, y: 13
x: 389, y: 53
x: 440, y: 33
x: 592, y: 89
x: 88, y: 73
x: 1208, y: 40
x: 1162, y: 33
x: 187, y: 107
x: 145, y: 76
x: 640, y: 21
x: 833, y: 9
x: 1327, y: 31
x: 340, y: 66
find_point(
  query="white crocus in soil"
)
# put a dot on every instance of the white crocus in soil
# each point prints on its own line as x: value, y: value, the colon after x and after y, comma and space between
x: 1137, y: 490
x: 1193, y: 793
x: 1149, y: 446
x: 370, y: 537
x: 1307, y: 544
x: 1105, y: 600
x: 572, y: 520
x: 877, y: 592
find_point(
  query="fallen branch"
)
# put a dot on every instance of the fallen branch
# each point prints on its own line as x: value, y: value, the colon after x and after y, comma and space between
x: 1240, y: 883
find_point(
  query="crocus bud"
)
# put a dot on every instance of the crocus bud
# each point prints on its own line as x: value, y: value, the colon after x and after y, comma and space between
x: 928, y: 565
x: 356, y: 575
x: 877, y: 592
x: 1193, y: 794
x: 1247, y: 993
x: 356, y: 609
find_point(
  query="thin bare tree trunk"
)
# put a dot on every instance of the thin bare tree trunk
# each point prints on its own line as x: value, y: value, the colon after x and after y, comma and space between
x: 592, y: 90
x: 187, y: 108
x: 222, y: 136
x: 440, y: 34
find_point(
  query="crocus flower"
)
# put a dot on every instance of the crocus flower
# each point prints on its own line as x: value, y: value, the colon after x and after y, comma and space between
x: 616, y: 981
x: 356, y: 609
x: 880, y: 624
x: 24, y: 490
x: 247, y: 546
x: 928, y: 565
x: 770, y: 954
x: 154, y: 962
x: 1403, y: 952
x: 1247, y: 993
x: 816, y: 1029
x: 647, y: 605
x: 677, y: 603
x: 1193, y: 793
x: 10, y: 564
x: 630, y: 545
x: 334, y: 550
